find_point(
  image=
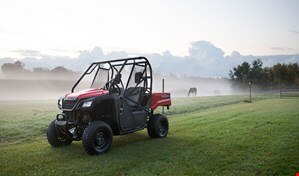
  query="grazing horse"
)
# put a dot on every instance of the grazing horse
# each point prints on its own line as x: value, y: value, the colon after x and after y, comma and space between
x: 193, y: 91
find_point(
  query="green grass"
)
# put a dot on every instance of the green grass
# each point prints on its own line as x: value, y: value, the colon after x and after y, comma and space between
x: 187, y: 105
x: 221, y: 137
x: 25, y: 120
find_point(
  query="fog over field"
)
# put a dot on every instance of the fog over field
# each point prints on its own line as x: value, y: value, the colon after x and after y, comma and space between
x: 35, y: 89
x: 205, y: 86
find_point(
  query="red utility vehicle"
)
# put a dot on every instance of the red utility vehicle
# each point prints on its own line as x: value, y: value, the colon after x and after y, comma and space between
x: 119, y: 100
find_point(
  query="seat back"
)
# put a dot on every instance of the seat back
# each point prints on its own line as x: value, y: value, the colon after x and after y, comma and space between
x: 134, y: 96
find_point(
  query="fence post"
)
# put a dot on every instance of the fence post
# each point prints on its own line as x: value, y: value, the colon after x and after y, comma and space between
x: 279, y: 90
x: 250, y: 83
x: 163, y: 92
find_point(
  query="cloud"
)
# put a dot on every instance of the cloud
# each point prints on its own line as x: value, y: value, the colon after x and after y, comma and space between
x: 282, y: 48
x: 204, y: 59
x: 295, y: 32
x: 28, y: 53
x: 205, y: 52
x: 6, y: 60
x: 236, y: 55
x: 93, y: 54
x: 117, y: 54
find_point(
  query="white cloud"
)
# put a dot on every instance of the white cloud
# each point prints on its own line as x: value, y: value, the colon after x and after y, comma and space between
x: 204, y: 59
x: 205, y: 51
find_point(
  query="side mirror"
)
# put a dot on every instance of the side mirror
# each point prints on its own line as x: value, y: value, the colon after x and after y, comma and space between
x: 117, y: 79
x: 138, y: 77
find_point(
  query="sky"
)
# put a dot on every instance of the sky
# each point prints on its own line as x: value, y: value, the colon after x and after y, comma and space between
x: 64, y: 28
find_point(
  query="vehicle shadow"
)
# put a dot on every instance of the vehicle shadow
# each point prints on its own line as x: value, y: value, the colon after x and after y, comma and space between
x: 134, y: 144
x: 132, y: 147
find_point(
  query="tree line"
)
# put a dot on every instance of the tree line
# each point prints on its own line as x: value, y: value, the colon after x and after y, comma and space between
x: 241, y: 75
x: 17, y: 70
x: 267, y: 77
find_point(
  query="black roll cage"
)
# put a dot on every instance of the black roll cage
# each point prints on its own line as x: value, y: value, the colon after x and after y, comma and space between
x: 140, y: 61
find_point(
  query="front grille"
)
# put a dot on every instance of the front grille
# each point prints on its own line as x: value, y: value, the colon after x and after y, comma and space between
x: 68, y: 104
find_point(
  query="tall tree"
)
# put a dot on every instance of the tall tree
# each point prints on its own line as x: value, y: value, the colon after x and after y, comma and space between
x: 267, y: 77
x: 240, y: 74
x: 16, y: 67
x: 256, y: 70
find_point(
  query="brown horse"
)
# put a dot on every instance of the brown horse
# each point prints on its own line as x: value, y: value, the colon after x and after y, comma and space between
x: 193, y: 91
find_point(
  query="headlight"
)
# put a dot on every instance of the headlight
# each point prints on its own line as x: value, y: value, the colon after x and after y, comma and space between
x: 87, y: 104
x: 60, y: 102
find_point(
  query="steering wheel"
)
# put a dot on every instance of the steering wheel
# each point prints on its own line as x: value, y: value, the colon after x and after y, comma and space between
x: 112, y: 87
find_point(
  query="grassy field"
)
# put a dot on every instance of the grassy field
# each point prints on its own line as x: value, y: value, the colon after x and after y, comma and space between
x: 208, y: 136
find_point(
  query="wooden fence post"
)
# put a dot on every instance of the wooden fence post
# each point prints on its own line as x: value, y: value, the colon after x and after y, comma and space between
x: 163, y: 92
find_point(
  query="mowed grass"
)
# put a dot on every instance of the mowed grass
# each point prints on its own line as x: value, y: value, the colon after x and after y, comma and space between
x: 190, y: 104
x: 259, y: 138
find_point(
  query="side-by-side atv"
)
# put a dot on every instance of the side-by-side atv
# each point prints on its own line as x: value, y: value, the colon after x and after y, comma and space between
x: 118, y: 100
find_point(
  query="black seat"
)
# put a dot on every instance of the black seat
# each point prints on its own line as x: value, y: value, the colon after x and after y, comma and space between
x: 134, y: 96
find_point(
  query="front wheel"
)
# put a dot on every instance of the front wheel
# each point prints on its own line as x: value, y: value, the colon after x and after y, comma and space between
x: 55, y: 137
x: 97, y: 138
x: 157, y: 126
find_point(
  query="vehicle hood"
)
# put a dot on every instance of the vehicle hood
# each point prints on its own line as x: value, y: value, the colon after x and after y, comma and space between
x: 87, y: 93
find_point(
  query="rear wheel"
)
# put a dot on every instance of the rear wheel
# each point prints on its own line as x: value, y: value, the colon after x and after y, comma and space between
x: 157, y: 126
x: 97, y: 138
x: 55, y: 137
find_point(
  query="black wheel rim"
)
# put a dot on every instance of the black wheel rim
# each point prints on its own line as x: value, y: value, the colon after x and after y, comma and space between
x: 61, y: 139
x: 162, y: 127
x: 100, y: 140
x: 60, y: 136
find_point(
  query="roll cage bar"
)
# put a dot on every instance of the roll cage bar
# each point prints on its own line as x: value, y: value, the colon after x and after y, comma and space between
x: 147, y: 78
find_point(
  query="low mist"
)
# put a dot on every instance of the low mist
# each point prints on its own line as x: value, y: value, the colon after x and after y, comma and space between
x: 42, y: 87
x: 34, y: 89
x: 179, y: 86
